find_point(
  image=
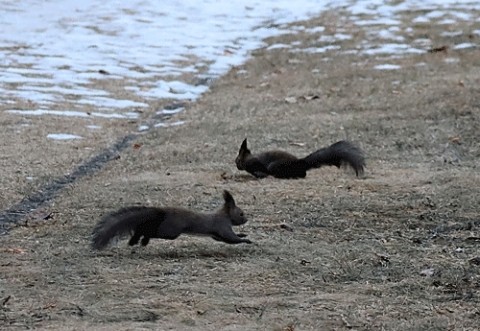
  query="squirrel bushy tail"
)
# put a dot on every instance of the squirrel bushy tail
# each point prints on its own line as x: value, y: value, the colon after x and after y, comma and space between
x: 123, y: 222
x: 337, y: 154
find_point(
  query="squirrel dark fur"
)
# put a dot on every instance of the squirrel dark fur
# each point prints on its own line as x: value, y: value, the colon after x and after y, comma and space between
x: 281, y: 164
x: 168, y: 223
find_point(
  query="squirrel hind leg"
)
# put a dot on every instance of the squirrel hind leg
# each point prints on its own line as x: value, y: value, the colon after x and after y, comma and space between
x: 145, y: 240
x: 135, y: 239
x: 288, y: 169
x: 260, y: 174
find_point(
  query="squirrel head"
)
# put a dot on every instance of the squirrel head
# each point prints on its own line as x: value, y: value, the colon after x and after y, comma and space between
x: 235, y: 214
x: 242, y: 156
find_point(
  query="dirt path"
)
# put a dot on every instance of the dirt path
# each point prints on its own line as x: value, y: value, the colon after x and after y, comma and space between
x: 397, y: 249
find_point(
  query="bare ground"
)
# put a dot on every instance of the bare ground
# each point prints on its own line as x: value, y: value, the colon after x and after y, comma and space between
x: 397, y: 249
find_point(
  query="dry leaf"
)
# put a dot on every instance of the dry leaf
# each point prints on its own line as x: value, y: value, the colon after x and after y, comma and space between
x: 443, y: 48
x: 311, y: 97
x: 293, y: 143
x: 475, y: 260
x: 286, y: 227
x: 428, y: 272
x: 15, y: 250
x: 291, y: 100
x: 455, y: 140
x: 304, y: 262
x: 5, y: 300
x: 50, y: 305
x: 383, y: 257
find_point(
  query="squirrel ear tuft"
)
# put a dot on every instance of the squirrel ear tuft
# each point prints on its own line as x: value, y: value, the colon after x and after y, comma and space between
x: 228, y: 197
x: 244, y: 144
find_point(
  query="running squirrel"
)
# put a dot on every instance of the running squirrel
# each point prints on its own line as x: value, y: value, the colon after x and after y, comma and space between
x: 281, y: 164
x: 169, y: 223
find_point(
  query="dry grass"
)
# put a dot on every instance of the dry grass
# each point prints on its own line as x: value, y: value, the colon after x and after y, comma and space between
x: 392, y: 250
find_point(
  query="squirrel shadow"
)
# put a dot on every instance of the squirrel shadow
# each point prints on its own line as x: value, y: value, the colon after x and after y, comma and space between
x: 185, y: 252
x: 194, y: 251
x: 239, y: 178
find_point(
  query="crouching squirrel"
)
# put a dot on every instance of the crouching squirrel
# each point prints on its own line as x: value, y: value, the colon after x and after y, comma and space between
x: 169, y: 223
x: 284, y: 165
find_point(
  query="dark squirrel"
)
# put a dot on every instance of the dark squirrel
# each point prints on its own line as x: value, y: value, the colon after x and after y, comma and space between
x: 168, y: 223
x: 281, y: 164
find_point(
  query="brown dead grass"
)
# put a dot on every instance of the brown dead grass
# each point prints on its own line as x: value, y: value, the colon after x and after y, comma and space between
x: 390, y: 251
